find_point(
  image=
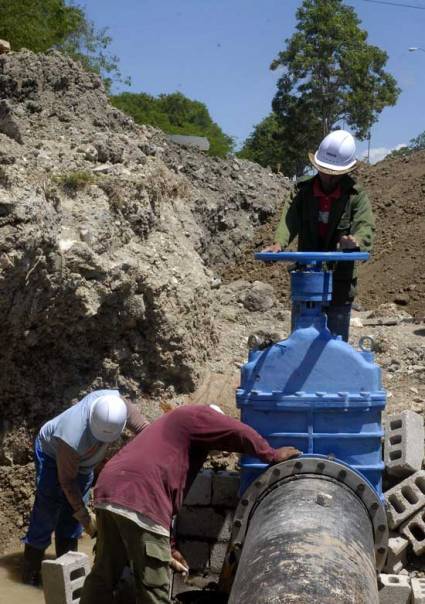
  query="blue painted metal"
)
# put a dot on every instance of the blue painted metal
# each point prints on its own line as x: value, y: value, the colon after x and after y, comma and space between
x: 313, y: 390
x: 311, y: 257
x: 311, y: 286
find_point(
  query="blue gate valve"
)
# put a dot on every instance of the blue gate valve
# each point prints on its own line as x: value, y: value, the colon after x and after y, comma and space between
x: 313, y: 390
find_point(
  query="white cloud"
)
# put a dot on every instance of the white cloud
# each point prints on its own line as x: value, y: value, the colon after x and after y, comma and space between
x: 378, y: 153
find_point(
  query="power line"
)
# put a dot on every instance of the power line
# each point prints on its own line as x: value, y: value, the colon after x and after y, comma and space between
x: 399, y: 4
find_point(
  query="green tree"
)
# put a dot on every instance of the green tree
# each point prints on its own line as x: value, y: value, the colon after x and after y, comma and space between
x: 415, y: 144
x: 282, y: 147
x: 43, y: 24
x: 37, y: 24
x: 175, y: 114
x: 263, y: 146
x: 418, y: 143
x: 331, y: 76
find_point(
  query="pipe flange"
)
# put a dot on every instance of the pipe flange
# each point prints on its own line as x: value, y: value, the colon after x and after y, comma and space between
x: 319, y: 466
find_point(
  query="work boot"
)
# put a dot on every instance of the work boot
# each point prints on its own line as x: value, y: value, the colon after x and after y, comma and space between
x: 63, y: 546
x: 31, y: 571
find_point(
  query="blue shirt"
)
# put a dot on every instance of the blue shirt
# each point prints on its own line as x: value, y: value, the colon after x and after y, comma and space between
x: 72, y: 426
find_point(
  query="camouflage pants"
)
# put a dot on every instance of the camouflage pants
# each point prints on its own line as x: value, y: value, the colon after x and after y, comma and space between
x: 121, y: 542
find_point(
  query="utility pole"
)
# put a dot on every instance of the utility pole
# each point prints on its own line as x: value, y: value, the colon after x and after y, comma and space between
x: 368, y: 146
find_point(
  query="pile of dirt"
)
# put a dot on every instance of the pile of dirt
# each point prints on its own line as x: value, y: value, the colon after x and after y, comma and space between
x: 109, y: 234
x: 395, y: 272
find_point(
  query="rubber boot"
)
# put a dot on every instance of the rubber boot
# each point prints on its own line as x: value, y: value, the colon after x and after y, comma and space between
x: 63, y: 546
x: 31, y: 571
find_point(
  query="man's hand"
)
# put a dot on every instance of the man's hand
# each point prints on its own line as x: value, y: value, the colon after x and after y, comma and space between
x: 88, y: 520
x: 285, y: 453
x: 348, y: 242
x: 178, y: 563
x: 276, y: 247
x: 91, y: 526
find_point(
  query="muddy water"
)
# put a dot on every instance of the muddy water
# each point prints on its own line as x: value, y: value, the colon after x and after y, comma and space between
x: 11, y: 589
x: 13, y: 592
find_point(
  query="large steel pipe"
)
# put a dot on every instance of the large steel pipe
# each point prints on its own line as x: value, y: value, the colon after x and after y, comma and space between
x: 309, y: 541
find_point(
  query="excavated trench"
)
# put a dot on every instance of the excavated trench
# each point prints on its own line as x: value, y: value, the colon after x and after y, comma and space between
x: 111, y: 284
x: 13, y: 591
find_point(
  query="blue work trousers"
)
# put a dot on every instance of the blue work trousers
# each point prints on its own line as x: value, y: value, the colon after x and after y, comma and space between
x: 51, y: 511
x: 339, y: 319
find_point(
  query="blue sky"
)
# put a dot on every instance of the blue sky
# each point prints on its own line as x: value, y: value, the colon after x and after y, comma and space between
x: 219, y: 52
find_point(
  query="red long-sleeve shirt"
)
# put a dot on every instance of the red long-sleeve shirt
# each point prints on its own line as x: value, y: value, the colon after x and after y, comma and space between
x: 152, y: 473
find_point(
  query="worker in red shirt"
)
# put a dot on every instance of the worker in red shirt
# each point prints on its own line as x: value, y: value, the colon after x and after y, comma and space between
x: 142, y: 487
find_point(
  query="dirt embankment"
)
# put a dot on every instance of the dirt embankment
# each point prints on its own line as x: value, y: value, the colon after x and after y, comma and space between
x: 396, y: 271
x: 108, y: 237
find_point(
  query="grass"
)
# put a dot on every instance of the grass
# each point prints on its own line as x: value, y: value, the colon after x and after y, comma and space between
x: 72, y: 182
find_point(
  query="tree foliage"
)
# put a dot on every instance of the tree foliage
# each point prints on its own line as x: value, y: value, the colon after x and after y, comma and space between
x: 331, y: 77
x: 418, y: 143
x: 175, y: 114
x: 43, y: 24
x: 415, y: 144
x: 263, y: 145
x: 270, y: 146
x: 37, y: 24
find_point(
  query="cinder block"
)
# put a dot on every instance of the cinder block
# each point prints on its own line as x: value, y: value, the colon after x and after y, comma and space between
x: 225, y: 489
x: 418, y: 591
x: 64, y: 578
x: 394, y: 589
x: 414, y: 530
x: 405, y: 499
x: 201, y: 489
x: 217, y: 555
x: 196, y: 553
x: 397, y: 553
x: 204, y: 523
x: 404, y: 443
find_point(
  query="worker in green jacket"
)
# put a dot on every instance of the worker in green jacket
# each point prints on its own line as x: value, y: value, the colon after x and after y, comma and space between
x: 327, y: 212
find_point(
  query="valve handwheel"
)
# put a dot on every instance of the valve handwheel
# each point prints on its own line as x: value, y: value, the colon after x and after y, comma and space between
x: 312, y: 257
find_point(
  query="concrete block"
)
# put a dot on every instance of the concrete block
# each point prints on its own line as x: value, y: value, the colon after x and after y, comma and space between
x: 225, y: 489
x: 201, y: 489
x: 405, y: 499
x: 64, y: 577
x: 418, y: 591
x: 397, y: 553
x: 217, y: 555
x: 404, y: 443
x: 394, y: 589
x: 414, y: 530
x: 196, y: 553
x: 204, y: 523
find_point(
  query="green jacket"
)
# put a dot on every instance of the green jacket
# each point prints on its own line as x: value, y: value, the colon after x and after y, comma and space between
x: 351, y: 214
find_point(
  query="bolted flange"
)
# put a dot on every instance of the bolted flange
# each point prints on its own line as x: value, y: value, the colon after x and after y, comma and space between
x: 313, y: 465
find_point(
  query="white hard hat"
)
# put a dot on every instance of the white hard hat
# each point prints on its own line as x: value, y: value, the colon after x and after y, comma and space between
x: 216, y: 408
x: 108, y: 415
x: 336, y: 153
